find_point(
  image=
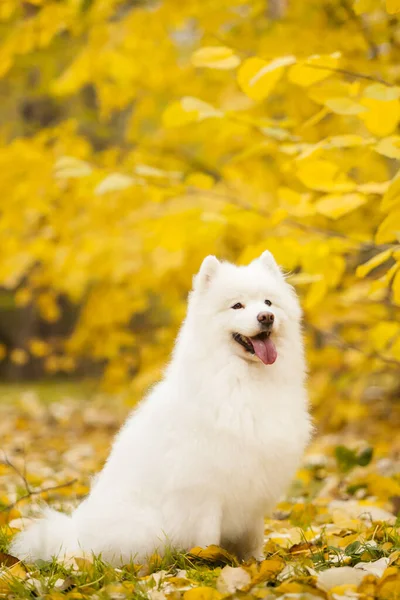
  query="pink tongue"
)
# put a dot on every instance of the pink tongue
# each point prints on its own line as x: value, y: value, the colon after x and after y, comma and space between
x: 265, y: 350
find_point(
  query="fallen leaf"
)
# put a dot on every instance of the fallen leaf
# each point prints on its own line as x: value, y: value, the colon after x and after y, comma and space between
x: 212, y: 554
x: 202, y: 593
x: 232, y: 579
x: 326, y: 580
x: 376, y: 567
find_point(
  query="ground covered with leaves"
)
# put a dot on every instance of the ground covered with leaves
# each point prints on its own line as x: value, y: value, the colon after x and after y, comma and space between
x: 336, y: 535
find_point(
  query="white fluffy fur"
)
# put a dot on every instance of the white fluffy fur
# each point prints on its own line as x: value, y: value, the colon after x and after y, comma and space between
x: 214, y: 445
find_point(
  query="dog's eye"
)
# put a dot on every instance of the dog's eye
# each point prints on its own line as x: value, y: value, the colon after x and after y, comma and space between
x: 268, y: 302
x: 237, y: 305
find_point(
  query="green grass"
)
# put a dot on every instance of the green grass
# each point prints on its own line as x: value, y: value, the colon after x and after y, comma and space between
x: 175, y: 570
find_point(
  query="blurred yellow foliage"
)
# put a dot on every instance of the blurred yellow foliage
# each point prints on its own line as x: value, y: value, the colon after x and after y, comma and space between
x: 140, y: 136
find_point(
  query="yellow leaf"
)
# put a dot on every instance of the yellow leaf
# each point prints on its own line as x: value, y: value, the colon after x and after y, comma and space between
x: 373, y: 187
x: 203, y: 109
x: 114, y: 182
x: 323, y: 175
x: 200, y: 180
x: 393, y: 6
x: 364, y: 6
x: 70, y: 167
x: 389, y: 587
x: 389, y: 146
x: 48, y: 307
x: 188, y: 110
x: 396, y: 288
x: 382, y: 334
x: 382, y: 116
x: 212, y: 553
x: 150, y: 171
x: 296, y: 204
x: 374, y: 262
x: 23, y: 297
x: 257, y: 78
x: 84, y: 564
x: 316, y: 293
x: 335, y: 206
x: 7, y: 560
x: 331, y: 88
x: 380, y: 486
x: 303, y: 278
x: 347, y: 141
x: 389, y: 229
x: 215, y: 57
x: 392, y: 195
x: 19, y: 356
x: 9, y: 575
x: 345, y: 106
x: 38, y: 347
x: 3, y: 351
x: 379, y: 91
x: 294, y: 590
x: 314, y: 69
x: 202, y: 593
x: 267, y: 569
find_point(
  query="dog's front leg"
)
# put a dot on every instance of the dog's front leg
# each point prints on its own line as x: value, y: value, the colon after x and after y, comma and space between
x: 208, y: 527
x: 250, y: 544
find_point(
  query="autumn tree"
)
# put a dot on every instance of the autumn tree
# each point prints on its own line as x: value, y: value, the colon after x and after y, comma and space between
x: 139, y: 136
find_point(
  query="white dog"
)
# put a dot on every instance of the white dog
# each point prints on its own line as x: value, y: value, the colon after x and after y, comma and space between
x: 214, y: 445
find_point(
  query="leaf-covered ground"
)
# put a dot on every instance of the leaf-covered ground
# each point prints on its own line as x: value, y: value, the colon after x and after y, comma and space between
x: 334, y: 536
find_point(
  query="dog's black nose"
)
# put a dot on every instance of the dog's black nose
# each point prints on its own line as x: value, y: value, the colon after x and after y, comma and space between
x: 266, y: 318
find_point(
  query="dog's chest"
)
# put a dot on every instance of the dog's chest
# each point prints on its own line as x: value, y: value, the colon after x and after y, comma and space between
x: 257, y: 445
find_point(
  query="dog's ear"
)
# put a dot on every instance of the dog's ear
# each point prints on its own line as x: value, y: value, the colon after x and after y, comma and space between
x: 208, y: 269
x: 270, y: 263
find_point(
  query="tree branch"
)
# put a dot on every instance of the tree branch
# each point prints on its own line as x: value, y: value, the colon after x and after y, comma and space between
x: 29, y: 491
x: 51, y: 488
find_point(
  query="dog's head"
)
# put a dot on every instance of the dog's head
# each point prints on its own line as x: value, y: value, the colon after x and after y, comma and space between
x: 251, y: 308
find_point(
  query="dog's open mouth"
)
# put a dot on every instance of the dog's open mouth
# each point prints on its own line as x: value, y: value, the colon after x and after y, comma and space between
x: 261, y: 345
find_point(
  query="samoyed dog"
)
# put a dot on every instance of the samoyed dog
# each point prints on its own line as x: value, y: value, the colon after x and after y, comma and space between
x: 212, y: 448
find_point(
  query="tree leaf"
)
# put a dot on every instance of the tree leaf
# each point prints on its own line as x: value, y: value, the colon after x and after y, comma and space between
x: 189, y: 110
x: 215, y: 57
x: 382, y: 116
x: 336, y: 206
x: 257, y: 78
x: 202, y: 593
x: 389, y: 146
x: 379, y: 91
x: 396, y: 288
x: 323, y: 175
x: 345, y: 106
x: 69, y: 167
x: 312, y: 70
x: 372, y: 263
x: 393, y: 6
x: 389, y: 229
x: 114, y: 182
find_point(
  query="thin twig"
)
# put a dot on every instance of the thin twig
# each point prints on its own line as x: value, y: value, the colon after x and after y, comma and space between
x: 18, y: 472
x: 365, y: 33
x: 352, y: 74
x: 37, y: 493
